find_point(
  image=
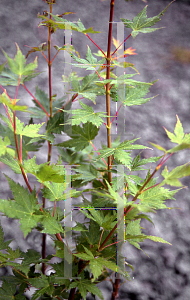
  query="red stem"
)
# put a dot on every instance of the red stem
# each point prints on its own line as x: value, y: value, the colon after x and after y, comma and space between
x: 54, y: 56
x: 8, y: 115
x: 54, y: 207
x: 36, y: 100
x: 17, y: 90
x: 98, y: 152
x: 4, y: 90
x: 73, y: 98
x: 18, y: 153
x: 96, y: 45
x: 44, y: 56
x: 21, y: 148
x: 120, y: 45
x: 116, y: 113
x: 100, y: 78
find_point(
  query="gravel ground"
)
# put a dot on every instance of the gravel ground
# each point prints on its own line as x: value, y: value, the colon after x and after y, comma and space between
x: 165, y: 274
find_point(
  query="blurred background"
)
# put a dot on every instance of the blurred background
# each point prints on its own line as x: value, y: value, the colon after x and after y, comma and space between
x: 164, y: 55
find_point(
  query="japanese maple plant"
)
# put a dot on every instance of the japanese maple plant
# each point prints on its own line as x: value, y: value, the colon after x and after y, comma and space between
x: 118, y: 196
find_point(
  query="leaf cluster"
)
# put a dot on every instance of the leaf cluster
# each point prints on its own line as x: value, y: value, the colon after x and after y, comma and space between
x: 125, y: 200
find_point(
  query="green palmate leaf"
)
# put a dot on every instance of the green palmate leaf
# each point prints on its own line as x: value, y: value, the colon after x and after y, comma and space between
x: 44, y: 172
x: 157, y: 239
x: 60, y: 23
x: 85, y: 286
x: 141, y: 23
x: 90, y: 63
x: 155, y: 197
x: 134, y: 236
x: 118, y: 152
x: 115, y: 196
x: 23, y: 207
x: 135, y: 91
x: 5, y: 100
x: 19, y: 68
x: 178, y: 137
x: 56, y: 123
x: 134, y: 95
x: 85, y: 115
x: 28, y: 258
x: 50, y: 225
x: 11, y: 162
x: 81, y: 136
x: 43, y: 284
x: 97, y: 264
x: 136, y: 163
x: 105, y: 221
x: 85, y: 172
x: 7, y: 77
x: 29, y: 130
x: 73, y: 158
x: 158, y: 147
x: 3, y: 147
x: 6, y: 131
x: 87, y: 87
x: 172, y: 178
x: 120, y: 80
x: 54, y: 192
x: 8, y: 288
x: 43, y: 99
x: 79, y: 227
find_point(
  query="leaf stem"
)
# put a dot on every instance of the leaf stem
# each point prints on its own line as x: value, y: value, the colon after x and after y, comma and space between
x: 111, y: 244
x: 100, y: 77
x: 121, y: 44
x: 98, y: 152
x: 4, y: 90
x: 36, y: 100
x: 44, y: 56
x: 54, y: 56
x: 116, y: 113
x: 54, y: 207
x: 18, y: 153
x: 73, y: 98
x: 14, y: 103
x: 100, y: 238
x: 8, y: 115
x: 21, y: 148
x: 96, y: 45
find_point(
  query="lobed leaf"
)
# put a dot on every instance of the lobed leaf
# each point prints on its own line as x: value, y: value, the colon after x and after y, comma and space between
x: 141, y: 23
x: 172, y: 178
x: 43, y: 172
x: 85, y: 115
x: 81, y: 137
x: 18, y: 69
x: 85, y: 286
x: 23, y: 207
